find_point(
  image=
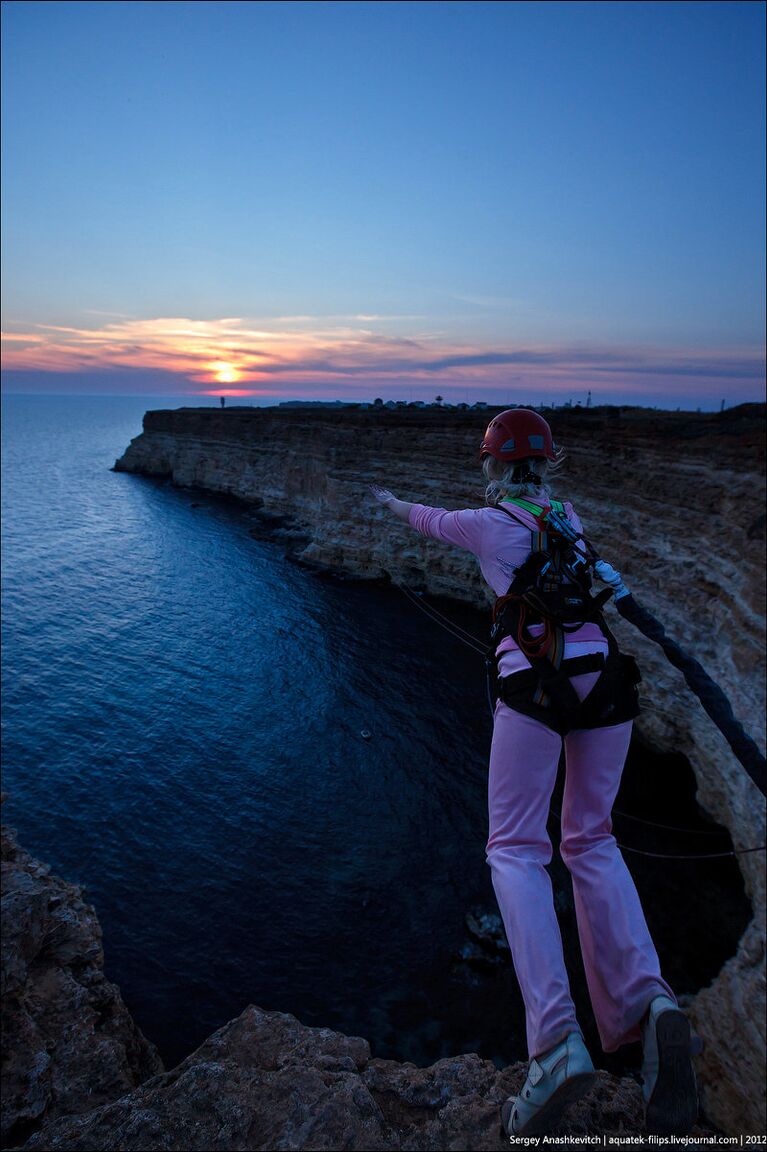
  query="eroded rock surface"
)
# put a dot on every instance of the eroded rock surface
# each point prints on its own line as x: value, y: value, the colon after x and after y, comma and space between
x: 265, y: 1081
x: 69, y: 1043
x: 673, y: 500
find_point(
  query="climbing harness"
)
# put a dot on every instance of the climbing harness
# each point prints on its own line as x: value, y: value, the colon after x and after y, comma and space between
x: 621, y: 674
x: 549, y: 597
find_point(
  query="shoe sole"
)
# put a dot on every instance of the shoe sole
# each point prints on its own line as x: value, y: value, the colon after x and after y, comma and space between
x: 550, y: 1113
x: 673, y: 1106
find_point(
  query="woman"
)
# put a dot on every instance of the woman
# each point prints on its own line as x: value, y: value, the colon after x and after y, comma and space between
x: 630, y: 998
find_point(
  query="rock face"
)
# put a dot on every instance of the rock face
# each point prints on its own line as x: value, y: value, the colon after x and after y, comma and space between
x: 265, y: 1081
x: 673, y: 500
x: 69, y: 1043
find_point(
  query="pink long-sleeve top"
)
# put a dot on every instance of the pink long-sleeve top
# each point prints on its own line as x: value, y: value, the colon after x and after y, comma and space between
x: 501, y: 544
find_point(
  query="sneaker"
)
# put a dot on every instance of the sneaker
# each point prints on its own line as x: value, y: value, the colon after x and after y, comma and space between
x: 668, y: 1077
x: 554, y: 1082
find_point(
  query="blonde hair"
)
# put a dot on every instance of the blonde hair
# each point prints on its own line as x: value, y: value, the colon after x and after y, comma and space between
x: 503, y: 480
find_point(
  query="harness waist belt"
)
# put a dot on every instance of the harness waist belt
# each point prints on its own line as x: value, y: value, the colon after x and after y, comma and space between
x: 575, y: 666
x: 612, y: 700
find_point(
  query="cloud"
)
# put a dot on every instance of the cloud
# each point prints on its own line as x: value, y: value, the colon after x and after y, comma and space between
x: 270, y: 356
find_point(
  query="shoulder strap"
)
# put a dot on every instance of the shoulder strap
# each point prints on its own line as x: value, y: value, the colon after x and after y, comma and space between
x: 511, y: 514
x: 533, y: 507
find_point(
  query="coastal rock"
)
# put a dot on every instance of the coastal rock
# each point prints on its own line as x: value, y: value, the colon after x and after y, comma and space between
x: 265, y: 1081
x: 487, y: 929
x: 674, y: 500
x: 69, y: 1043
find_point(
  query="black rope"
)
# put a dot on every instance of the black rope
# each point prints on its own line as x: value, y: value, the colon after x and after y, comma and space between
x: 677, y: 855
x: 669, y: 827
x: 699, y: 856
x: 428, y: 609
x: 707, y: 690
x: 447, y: 620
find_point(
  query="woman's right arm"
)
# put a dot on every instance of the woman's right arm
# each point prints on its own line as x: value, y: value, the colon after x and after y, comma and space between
x: 400, y: 508
x: 463, y: 528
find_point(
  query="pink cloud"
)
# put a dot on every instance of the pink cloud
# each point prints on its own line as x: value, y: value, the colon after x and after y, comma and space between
x: 269, y: 358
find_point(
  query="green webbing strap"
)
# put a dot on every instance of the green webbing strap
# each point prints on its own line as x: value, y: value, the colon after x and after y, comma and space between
x: 527, y: 505
x: 533, y: 509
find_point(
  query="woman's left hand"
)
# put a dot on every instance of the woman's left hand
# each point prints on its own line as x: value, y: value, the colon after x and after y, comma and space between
x: 383, y: 495
x: 609, y: 576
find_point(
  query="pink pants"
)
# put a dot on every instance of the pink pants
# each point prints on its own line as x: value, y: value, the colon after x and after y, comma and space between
x: 619, y: 957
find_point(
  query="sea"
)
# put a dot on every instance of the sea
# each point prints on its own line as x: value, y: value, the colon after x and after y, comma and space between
x: 270, y: 782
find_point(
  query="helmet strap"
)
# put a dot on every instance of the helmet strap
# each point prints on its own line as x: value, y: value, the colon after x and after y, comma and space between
x: 528, y: 477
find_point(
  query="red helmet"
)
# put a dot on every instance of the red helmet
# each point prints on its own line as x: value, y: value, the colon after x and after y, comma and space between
x: 517, y: 434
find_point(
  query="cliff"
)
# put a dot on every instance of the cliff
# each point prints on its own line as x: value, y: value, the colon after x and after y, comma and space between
x: 78, y: 1075
x: 69, y: 1043
x: 674, y: 500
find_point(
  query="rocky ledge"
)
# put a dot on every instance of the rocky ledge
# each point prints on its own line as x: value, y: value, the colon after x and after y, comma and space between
x: 69, y: 1043
x: 265, y: 1081
x: 675, y: 500
x: 78, y: 1074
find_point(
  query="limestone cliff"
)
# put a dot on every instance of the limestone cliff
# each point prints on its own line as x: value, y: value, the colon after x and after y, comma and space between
x: 673, y: 500
x: 69, y: 1043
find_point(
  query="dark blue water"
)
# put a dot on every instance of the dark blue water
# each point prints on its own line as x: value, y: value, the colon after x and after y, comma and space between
x: 181, y: 735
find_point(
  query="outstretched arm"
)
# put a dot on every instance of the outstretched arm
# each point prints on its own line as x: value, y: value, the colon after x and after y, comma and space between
x: 462, y: 528
x: 400, y: 508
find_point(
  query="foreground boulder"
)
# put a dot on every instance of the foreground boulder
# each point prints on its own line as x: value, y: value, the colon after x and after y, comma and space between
x: 265, y: 1081
x: 69, y: 1043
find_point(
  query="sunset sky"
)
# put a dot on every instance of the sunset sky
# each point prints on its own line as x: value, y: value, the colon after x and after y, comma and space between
x: 514, y: 202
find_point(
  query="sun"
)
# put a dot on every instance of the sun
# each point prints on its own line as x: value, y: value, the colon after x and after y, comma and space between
x: 225, y: 373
